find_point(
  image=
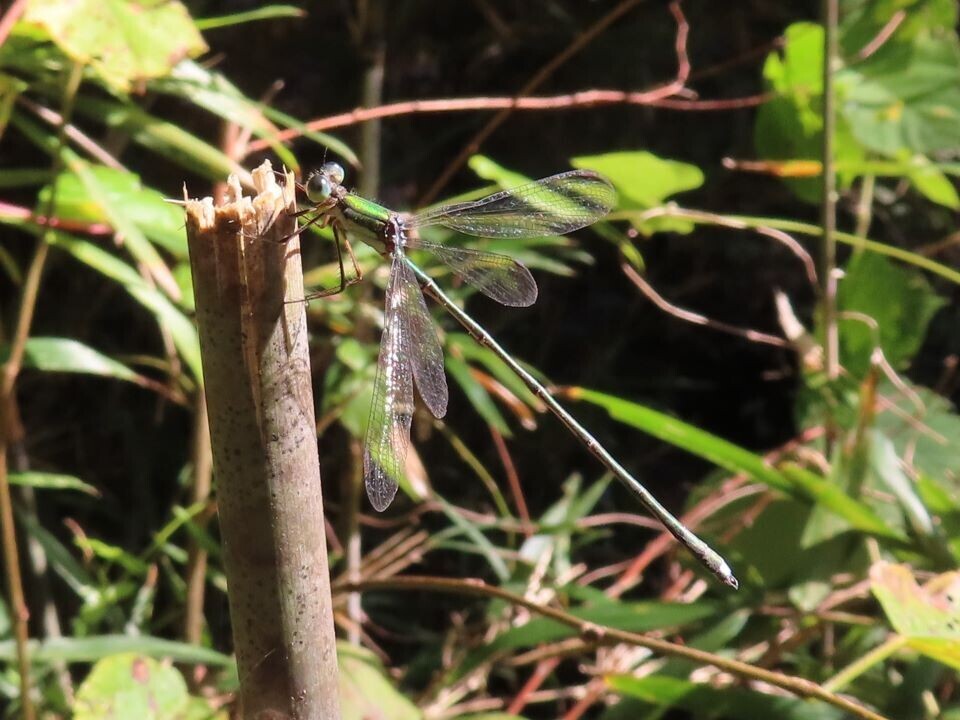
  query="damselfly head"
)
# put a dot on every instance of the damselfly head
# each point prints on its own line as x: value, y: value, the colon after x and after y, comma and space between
x: 320, y: 184
x: 318, y: 188
x: 333, y: 171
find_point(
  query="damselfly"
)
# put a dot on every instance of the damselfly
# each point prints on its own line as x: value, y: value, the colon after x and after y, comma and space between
x: 409, y: 349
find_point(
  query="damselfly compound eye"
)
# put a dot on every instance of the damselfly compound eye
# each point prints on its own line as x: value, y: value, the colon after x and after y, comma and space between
x: 333, y: 171
x: 318, y: 187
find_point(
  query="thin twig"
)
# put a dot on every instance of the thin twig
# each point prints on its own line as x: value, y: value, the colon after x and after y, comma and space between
x: 696, y: 318
x: 884, y: 34
x: 566, y: 101
x: 702, y: 216
x: 580, y: 42
x: 10, y: 19
x: 828, y: 219
x: 201, y: 481
x: 80, y: 139
x: 605, y: 635
x: 513, y: 480
x: 17, y: 212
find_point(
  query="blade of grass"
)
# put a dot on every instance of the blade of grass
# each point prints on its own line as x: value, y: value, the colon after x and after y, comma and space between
x: 790, y: 479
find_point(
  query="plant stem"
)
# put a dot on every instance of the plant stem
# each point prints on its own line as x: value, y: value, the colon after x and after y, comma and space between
x: 828, y: 219
x: 8, y: 411
x: 259, y: 395
x: 196, y: 573
x: 370, y: 44
x: 702, y: 217
x: 542, y: 75
x: 865, y: 205
x: 859, y: 666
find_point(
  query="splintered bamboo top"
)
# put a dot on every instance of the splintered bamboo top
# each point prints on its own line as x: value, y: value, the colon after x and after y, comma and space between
x: 255, y: 215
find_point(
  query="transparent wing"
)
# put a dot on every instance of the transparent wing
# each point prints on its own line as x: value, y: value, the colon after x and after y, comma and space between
x: 421, y: 344
x: 496, y: 276
x: 551, y: 206
x: 388, y: 430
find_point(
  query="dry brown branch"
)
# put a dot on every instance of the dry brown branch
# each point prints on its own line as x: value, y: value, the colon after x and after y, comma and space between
x: 696, y: 318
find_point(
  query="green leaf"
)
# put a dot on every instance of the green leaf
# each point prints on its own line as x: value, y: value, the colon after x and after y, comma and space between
x: 934, y: 185
x: 790, y: 479
x: 62, y: 561
x: 348, y: 385
x: 930, y: 446
x: 471, y: 350
x: 676, y: 432
x: 644, y: 180
x: 862, y: 23
x: 268, y: 12
x: 164, y: 138
x: 329, y: 141
x: 906, y: 97
x: 477, y: 395
x: 125, y: 42
x: 557, y: 525
x: 928, y: 616
x: 477, y: 538
x: 10, y: 89
x: 116, y: 212
x: 490, y: 170
x: 51, y: 481
x: 134, y: 240
x: 211, y: 91
x: 182, y: 331
x: 789, y: 126
x: 365, y: 691
x: 900, y: 301
x: 96, y: 647
x: 112, y: 554
x: 706, y: 701
x: 71, y: 356
x: 131, y: 687
x: 886, y: 464
x: 88, y: 196
x: 631, y: 617
x: 24, y: 177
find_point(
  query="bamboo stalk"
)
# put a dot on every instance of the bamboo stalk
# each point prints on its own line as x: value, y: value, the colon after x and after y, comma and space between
x: 265, y: 461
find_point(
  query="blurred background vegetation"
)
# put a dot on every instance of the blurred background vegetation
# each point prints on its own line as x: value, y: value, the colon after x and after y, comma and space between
x: 830, y: 481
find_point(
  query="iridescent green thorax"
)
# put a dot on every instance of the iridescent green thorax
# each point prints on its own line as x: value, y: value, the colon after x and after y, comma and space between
x: 366, y: 221
x: 366, y: 207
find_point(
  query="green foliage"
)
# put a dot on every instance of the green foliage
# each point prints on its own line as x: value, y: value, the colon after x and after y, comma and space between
x: 899, y: 301
x: 900, y: 100
x: 110, y: 37
x: 644, y: 181
x: 662, y: 693
x: 927, y: 618
x: 130, y: 686
x: 365, y: 691
x: 808, y: 525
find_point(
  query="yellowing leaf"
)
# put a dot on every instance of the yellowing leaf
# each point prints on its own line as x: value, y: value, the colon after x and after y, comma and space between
x: 928, y: 616
x: 125, y: 41
x: 131, y: 686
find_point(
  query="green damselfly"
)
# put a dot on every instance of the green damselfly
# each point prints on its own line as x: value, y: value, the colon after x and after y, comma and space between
x: 409, y: 349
